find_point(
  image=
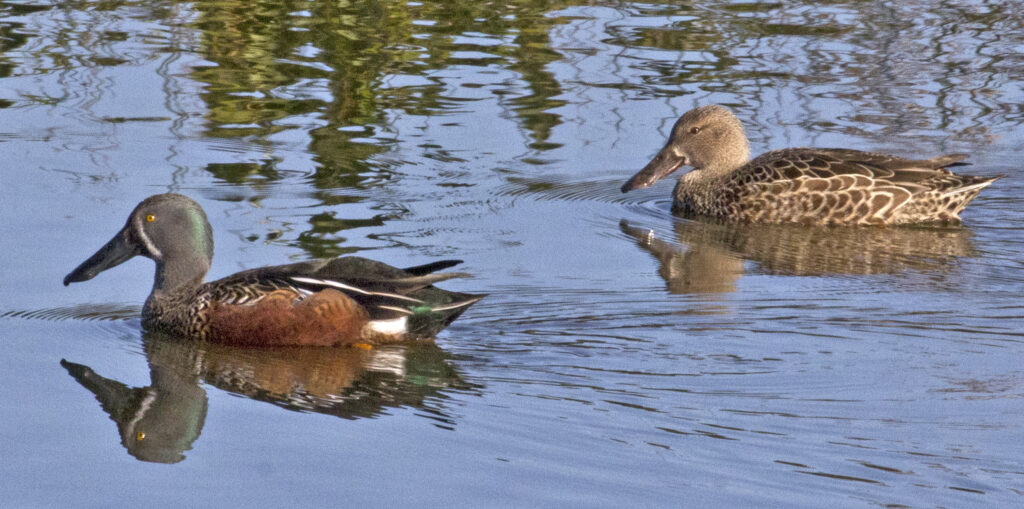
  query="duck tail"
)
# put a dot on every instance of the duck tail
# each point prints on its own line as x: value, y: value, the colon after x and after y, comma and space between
x: 972, y: 186
x: 427, y: 320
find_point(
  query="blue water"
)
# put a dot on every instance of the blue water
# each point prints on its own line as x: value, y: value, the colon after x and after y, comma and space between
x: 623, y: 356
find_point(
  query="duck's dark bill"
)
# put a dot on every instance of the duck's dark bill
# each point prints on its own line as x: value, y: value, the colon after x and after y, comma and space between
x: 666, y: 162
x: 116, y: 252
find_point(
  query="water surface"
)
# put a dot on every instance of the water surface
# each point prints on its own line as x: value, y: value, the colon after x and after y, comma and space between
x: 623, y: 355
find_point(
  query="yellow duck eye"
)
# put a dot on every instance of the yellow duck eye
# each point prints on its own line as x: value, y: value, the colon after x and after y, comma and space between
x: 140, y: 436
x: 150, y: 218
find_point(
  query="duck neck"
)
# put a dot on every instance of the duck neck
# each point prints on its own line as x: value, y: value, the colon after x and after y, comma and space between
x: 697, y: 190
x: 179, y: 274
x: 704, y: 179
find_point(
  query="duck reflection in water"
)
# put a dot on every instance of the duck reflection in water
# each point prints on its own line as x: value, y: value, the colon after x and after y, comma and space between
x: 709, y: 257
x: 158, y: 423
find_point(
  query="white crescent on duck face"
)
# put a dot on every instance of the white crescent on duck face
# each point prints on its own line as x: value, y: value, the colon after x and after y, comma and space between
x: 802, y: 185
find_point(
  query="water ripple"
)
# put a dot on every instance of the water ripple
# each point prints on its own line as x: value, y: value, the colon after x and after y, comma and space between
x: 86, y: 312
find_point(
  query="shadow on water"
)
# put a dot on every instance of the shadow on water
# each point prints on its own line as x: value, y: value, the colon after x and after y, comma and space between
x: 159, y: 422
x: 709, y: 257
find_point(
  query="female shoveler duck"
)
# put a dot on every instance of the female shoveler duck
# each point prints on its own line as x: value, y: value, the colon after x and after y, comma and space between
x: 802, y: 185
x: 348, y: 300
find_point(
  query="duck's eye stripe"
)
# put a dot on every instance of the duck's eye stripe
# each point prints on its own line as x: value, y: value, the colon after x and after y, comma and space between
x: 146, y: 242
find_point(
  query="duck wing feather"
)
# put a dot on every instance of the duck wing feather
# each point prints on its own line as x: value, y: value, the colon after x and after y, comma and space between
x: 378, y: 287
x: 838, y: 186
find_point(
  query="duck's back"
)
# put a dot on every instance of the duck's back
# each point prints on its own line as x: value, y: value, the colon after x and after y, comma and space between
x: 838, y: 186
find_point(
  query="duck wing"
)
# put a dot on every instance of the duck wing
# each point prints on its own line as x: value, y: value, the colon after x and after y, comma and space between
x: 384, y: 291
x: 881, y: 169
x: 841, y: 186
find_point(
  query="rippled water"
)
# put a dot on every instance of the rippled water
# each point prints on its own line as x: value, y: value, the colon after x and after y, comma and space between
x: 623, y: 355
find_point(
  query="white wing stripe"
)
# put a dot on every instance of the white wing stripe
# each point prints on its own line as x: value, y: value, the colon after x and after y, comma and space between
x: 335, y: 284
x: 398, y: 309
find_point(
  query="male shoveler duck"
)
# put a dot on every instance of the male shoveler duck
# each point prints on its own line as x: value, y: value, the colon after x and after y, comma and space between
x: 802, y: 185
x: 347, y: 300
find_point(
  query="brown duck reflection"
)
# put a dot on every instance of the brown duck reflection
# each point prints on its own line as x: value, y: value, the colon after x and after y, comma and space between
x: 160, y: 422
x: 709, y: 257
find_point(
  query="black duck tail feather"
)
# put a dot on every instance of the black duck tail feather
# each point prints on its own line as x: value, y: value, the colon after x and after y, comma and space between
x: 427, y: 268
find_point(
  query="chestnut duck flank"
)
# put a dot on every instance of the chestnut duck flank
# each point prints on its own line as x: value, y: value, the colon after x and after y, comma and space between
x: 802, y: 185
x: 324, y: 302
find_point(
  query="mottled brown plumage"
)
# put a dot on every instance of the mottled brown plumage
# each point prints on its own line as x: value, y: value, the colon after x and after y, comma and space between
x: 802, y: 185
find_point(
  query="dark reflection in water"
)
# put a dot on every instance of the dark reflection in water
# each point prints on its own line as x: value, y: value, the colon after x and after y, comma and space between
x: 160, y: 422
x: 157, y: 423
x: 709, y: 257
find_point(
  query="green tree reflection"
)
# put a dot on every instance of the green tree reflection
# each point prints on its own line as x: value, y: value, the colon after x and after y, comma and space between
x: 272, y: 61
